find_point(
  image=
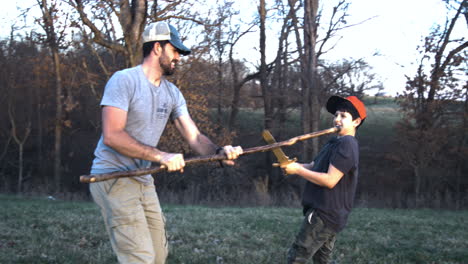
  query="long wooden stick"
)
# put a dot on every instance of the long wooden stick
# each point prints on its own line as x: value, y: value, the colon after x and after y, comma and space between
x: 204, y: 159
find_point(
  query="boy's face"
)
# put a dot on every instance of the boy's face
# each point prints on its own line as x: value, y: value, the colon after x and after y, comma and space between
x: 345, y: 121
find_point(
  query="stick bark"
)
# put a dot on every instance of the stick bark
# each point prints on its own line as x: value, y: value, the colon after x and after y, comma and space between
x: 204, y: 159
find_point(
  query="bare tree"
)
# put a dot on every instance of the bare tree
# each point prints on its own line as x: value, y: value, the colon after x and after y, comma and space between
x: 462, y: 149
x: 268, y: 119
x: 429, y: 100
x: 348, y: 77
x: 131, y: 16
x: 223, y: 20
x: 310, y: 103
x: 20, y: 142
x: 444, y: 55
x: 50, y: 15
x: 225, y: 35
x: 310, y: 49
x: 237, y: 81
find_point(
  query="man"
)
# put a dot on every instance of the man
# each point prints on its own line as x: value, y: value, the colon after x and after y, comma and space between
x: 331, y: 185
x: 136, y: 106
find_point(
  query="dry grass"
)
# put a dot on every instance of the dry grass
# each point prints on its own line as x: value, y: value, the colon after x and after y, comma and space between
x: 47, y: 231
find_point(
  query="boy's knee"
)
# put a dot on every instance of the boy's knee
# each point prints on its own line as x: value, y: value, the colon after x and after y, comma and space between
x: 297, y: 255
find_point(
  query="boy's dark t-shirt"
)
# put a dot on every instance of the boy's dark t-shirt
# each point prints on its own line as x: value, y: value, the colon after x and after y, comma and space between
x: 334, y: 205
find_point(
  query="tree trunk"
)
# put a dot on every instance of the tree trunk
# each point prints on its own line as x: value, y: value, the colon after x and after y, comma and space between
x: 268, y: 115
x: 20, y: 142
x: 268, y: 118
x: 220, y: 90
x: 132, y: 19
x: 280, y: 80
x: 310, y: 107
x: 48, y: 23
x: 38, y: 137
x: 282, y: 96
x: 417, y: 183
x: 58, y: 121
x: 234, y: 104
x: 315, y: 114
x: 20, y: 168
x: 237, y: 86
x: 461, y: 146
x: 236, y: 91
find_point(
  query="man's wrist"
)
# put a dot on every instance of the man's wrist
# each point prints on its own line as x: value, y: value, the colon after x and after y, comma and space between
x: 218, y: 150
x: 158, y: 155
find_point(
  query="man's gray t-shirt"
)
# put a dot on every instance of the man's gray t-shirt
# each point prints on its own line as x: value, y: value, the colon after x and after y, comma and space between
x: 148, y: 109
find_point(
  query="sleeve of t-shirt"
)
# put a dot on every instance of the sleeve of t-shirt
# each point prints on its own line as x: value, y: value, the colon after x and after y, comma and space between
x: 343, y: 157
x: 116, y: 92
x: 180, y: 106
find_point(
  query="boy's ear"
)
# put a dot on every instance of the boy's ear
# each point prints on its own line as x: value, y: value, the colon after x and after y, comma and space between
x: 357, y: 121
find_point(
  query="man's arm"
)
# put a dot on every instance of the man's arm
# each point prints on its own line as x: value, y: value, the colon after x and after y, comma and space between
x: 328, y: 179
x: 114, y: 135
x: 200, y: 143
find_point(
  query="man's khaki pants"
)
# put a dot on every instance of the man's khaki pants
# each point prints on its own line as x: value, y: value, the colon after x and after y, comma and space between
x: 133, y: 219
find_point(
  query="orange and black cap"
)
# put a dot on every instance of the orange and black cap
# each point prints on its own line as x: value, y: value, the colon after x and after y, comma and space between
x: 335, y: 102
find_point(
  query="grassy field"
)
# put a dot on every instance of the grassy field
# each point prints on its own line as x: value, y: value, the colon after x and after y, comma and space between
x: 40, y: 230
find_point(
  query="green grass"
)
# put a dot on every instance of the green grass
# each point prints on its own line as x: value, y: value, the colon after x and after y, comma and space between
x: 383, y: 113
x: 46, y: 231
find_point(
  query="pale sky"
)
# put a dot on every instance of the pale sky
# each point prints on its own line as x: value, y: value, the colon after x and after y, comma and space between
x: 395, y: 32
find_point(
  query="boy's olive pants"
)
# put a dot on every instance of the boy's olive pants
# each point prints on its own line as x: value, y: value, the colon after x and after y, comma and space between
x: 314, y: 239
x: 133, y: 219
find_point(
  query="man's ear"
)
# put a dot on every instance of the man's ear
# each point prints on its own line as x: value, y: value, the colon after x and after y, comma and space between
x: 157, y: 49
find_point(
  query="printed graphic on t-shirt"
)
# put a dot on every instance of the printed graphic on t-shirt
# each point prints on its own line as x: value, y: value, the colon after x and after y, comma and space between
x: 162, y: 111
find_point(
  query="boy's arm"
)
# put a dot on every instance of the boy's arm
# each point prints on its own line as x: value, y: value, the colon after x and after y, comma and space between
x: 328, y: 179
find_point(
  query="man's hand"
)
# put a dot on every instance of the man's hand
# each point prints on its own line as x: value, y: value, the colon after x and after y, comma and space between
x: 231, y: 153
x: 172, y: 161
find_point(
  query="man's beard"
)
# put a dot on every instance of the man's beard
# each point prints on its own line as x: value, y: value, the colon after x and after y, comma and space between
x: 166, y: 65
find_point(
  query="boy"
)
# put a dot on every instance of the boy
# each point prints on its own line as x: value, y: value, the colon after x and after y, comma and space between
x: 331, y: 184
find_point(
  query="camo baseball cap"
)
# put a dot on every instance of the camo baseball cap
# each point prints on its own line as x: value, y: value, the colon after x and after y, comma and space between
x: 160, y: 31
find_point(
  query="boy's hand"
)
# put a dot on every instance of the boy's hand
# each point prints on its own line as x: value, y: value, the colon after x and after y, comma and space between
x: 292, y: 168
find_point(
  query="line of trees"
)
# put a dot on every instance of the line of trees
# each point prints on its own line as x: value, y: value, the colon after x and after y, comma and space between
x: 52, y: 78
x: 433, y: 133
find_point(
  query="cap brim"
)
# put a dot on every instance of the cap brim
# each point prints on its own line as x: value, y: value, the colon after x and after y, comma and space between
x: 333, y: 102
x: 183, y: 50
